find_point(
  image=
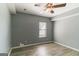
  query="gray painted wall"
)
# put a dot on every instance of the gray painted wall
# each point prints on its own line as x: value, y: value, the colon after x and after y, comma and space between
x: 25, y: 29
x: 66, y: 31
x: 4, y: 29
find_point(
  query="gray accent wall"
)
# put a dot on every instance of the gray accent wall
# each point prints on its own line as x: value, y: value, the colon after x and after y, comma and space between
x: 25, y: 29
x: 66, y: 31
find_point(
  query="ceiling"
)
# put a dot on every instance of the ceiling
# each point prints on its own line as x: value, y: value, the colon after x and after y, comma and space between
x: 31, y: 9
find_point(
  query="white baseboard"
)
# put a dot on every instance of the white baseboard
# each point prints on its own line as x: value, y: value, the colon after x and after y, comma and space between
x: 67, y: 46
x: 27, y: 45
x: 31, y: 44
x: 9, y: 52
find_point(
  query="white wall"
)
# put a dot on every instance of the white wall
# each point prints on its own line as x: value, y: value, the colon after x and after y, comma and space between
x: 4, y: 28
x: 66, y: 30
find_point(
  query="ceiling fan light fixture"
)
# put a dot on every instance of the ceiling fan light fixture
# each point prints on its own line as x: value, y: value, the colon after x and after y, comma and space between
x: 51, y: 11
x: 50, y: 6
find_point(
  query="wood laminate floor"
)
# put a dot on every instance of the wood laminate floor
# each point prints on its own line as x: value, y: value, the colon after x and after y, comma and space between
x: 51, y: 49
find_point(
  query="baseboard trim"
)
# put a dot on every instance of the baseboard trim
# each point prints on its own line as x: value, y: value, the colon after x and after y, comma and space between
x: 27, y: 46
x: 9, y: 52
x: 67, y: 46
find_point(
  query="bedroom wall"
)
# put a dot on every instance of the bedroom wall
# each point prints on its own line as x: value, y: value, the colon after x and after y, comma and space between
x: 4, y: 29
x: 66, y: 28
x: 25, y: 29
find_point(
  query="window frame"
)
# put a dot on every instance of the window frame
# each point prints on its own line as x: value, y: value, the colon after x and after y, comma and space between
x: 44, y: 28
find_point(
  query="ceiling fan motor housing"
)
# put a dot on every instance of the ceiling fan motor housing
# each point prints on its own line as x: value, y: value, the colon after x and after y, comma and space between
x: 51, y: 11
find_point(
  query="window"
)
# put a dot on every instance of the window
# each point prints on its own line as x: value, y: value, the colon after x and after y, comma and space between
x: 42, y: 29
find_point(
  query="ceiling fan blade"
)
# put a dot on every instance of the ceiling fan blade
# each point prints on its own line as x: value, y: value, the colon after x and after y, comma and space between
x: 59, y: 5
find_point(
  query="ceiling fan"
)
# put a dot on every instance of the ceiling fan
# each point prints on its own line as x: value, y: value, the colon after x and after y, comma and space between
x: 51, y: 6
